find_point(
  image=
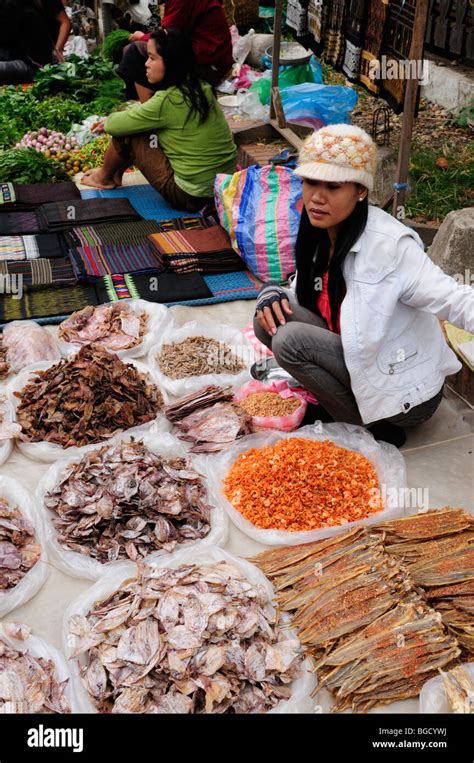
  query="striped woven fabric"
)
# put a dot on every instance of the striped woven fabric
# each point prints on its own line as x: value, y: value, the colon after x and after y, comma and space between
x: 96, y: 261
x: 40, y: 272
x: 113, y: 233
x: 18, y: 248
x: 17, y: 223
x: 49, y: 301
x: 59, y: 215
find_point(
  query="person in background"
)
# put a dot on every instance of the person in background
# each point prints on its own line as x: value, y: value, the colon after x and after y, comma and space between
x: 205, y: 20
x: 359, y: 327
x: 179, y: 138
x: 45, y: 29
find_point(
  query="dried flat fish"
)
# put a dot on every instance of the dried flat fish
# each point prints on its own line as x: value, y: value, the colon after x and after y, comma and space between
x: 26, y: 342
x: 459, y: 689
x: 4, y: 365
x: 8, y: 430
x: 197, y: 356
x: 211, y: 429
x: 19, y: 550
x: 28, y: 684
x: 86, y: 399
x: 124, y: 502
x: 116, y: 326
x: 194, y: 639
x: 204, y: 398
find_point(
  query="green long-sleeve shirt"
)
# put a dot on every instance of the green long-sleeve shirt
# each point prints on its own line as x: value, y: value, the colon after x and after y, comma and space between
x: 196, y: 152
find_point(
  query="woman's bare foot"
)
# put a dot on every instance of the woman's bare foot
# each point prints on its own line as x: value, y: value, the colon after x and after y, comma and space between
x: 96, y: 178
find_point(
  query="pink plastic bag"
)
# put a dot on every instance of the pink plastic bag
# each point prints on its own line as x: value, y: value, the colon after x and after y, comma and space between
x: 286, y: 423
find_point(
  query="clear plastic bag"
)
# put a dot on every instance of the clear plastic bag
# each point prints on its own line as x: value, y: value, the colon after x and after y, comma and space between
x: 28, y: 343
x: 433, y: 694
x: 386, y: 459
x: 227, y: 335
x: 35, y: 578
x: 49, y: 452
x: 38, y: 647
x: 83, y: 566
x: 7, y: 416
x: 300, y: 701
x: 287, y: 423
x: 159, y: 318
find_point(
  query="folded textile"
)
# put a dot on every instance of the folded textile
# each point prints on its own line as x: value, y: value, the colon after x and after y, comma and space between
x: 162, y: 288
x: 60, y: 215
x: 49, y: 301
x: 205, y: 251
x: 49, y: 245
x: 112, y: 233
x: 40, y: 271
x: 18, y: 198
x: 16, y: 223
x: 96, y: 261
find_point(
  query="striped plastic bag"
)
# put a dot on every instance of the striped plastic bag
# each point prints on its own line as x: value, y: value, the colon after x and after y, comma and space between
x: 260, y: 208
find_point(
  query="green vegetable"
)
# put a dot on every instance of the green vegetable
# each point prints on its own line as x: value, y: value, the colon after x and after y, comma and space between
x: 26, y: 165
x: 114, y: 44
x: 82, y: 79
x: 17, y: 108
x: 58, y: 113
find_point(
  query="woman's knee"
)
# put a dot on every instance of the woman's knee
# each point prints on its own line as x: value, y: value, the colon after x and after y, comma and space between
x: 286, y: 344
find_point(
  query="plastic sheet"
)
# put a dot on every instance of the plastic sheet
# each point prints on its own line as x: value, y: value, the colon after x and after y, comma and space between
x: 433, y: 694
x: 300, y: 702
x: 386, y: 459
x: 83, y: 566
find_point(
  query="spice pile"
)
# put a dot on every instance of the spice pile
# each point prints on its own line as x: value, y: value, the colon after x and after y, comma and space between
x: 459, y: 689
x: 373, y: 638
x: 301, y: 484
x: 195, y: 639
x: 269, y: 404
x: 86, y: 399
x: 196, y: 356
x: 116, y: 326
x: 124, y: 501
x: 19, y: 550
x: 208, y: 420
x: 29, y: 684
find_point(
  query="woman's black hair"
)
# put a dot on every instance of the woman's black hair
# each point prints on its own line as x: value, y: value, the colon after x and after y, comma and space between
x: 312, y: 258
x: 174, y: 46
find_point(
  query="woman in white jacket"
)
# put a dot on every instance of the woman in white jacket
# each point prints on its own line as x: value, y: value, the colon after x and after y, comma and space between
x: 359, y: 327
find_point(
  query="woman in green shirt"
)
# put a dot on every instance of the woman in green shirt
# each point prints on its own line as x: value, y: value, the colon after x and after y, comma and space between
x: 179, y: 138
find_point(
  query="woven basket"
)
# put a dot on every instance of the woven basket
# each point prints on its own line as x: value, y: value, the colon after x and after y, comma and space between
x: 246, y: 14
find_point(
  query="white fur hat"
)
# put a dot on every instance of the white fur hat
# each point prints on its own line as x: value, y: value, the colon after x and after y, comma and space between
x: 339, y: 154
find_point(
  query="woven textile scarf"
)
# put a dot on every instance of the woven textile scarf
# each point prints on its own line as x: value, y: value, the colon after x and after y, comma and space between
x: 396, y: 46
x: 355, y: 31
x: 40, y: 272
x: 47, y: 302
x: 370, y: 58
x: 334, y: 32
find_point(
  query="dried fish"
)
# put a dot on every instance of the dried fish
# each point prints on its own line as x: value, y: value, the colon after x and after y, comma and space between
x: 459, y: 689
x: 86, y: 399
x: 194, y: 639
x: 26, y: 342
x: 28, y: 684
x: 115, y: 326
x: 8, y: 430
x: 196, y: 356
x: 204, y: 398
x: 19, y: 550
x: 4, y: 365
x: 211, y: 429
x: 123, y: 501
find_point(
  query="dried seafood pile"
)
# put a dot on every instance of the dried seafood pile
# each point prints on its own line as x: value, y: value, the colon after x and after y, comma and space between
x: 19, y: 550
x: 208, y: 419
x: 195, y: 639
x: 29, y: 684
x: 437, y: 548
x: 300, y: 484
x: 4, y: 366
x: 26, y: 343
x: 124, y: 501
x: 459, y: 689
x: 86, y: 399
x: 115, y: 326
x: 269, y: 404
x: 355, y: 608
x: 196, y: 356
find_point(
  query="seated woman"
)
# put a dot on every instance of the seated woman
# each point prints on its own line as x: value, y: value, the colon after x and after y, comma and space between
x: 179, y: 139
x: 206, y: 22
x: 359, y: 327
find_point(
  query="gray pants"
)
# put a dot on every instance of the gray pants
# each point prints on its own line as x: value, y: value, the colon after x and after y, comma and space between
x: 313, y: 355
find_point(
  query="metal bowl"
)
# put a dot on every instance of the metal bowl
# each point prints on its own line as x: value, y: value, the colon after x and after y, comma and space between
x: 291, y: 54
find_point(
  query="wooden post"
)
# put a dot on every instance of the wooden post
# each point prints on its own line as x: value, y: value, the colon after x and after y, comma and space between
x: 276, y: 53
x: 409, y: 106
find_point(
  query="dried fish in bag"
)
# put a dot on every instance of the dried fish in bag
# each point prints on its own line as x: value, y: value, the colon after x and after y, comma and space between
x: 195, y: 635
x: 26, y: 343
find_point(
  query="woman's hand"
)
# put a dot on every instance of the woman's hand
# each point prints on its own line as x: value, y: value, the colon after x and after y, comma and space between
x: 58, y: 56
x: 271, y: 313
x: 136, y: 36
x: 98, y: 127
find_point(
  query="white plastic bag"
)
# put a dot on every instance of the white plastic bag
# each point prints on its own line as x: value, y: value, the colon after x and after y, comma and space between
x: 34, y: 579
x: 433, y: 694
x: 159, y: 318
x: 386, y: 459
x: 7, y: 416
x: 83, y: 566
x: 49, y: 452
x: 300, y: 701
x: 27, y: 343
x: 38, y: 647
x: 228, y: 335
x: 241, y: 46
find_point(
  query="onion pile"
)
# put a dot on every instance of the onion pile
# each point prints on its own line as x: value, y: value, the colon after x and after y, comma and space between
x: 52, y: 144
